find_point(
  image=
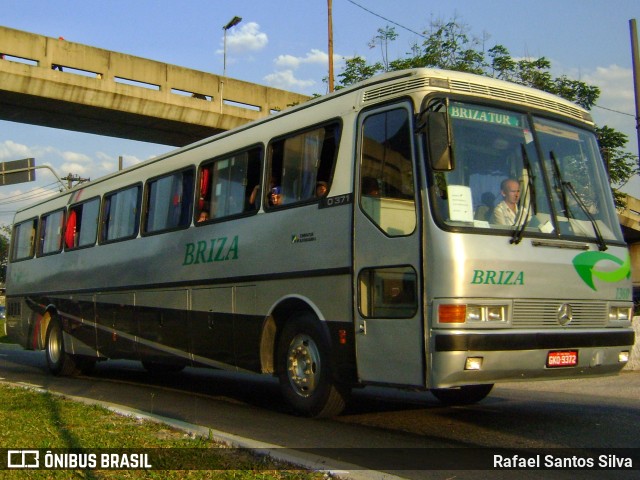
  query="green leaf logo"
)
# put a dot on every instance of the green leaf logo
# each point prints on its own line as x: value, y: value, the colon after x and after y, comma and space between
x: 585, y: 265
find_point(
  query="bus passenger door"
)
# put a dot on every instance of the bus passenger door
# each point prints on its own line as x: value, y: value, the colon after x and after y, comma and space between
x: 389, y: 329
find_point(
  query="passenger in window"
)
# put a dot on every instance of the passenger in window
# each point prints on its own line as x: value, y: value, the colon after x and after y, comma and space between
x: 506, y: 211
x: 204, y: 216
x: 276, y: 196
x: 254, y: 196
x: 321, y: 189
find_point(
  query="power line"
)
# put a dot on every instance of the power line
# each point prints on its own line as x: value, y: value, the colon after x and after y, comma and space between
x: 30, y: 195
x: 45, y: 194
x: 386, y: 19
x: 615, y: 111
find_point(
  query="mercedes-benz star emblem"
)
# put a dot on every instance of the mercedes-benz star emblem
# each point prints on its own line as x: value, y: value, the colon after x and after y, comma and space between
x: 565, y: 314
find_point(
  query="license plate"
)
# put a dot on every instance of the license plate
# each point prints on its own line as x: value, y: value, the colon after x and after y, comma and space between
x: 565, y: 358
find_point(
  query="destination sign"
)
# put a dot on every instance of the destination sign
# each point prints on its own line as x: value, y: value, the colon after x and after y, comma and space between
x: 486, y: 115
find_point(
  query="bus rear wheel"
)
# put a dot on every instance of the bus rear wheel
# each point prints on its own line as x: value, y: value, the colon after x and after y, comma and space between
x: 305, y: 375
x: 465, y: 395
x: 59, y: 361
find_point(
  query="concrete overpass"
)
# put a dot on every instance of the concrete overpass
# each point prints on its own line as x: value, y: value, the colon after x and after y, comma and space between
x: 56, y: 83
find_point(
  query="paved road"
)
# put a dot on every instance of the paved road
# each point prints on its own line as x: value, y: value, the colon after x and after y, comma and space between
x: 590, y: 413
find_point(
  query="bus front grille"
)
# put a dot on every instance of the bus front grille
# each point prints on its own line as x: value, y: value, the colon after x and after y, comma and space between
x: 545, y: 313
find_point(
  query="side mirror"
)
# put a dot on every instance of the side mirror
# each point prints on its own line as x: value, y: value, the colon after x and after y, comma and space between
x: 439, y: 142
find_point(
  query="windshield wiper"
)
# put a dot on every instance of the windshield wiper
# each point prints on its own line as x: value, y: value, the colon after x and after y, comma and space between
x: 602, y: 245
x: 522, y: 220
x: 560, y: 183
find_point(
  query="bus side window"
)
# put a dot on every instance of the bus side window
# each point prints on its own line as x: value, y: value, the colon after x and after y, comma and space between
x: 226, y: 185
x: 23, y: 240
x: 50, y: 240
x: 121, y: 214
x: 169, y: 202
x: 299, y: 162
x: 82, y: 224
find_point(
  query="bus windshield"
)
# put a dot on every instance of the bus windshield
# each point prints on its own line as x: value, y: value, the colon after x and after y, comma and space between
x: 518, y: 175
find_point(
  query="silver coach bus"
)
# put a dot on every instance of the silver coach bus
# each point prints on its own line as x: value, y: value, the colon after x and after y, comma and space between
x: 360, y: 238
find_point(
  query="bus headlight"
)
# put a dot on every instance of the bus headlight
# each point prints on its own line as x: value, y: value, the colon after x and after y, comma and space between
x: 472, y: 313
x: 486, y: 313
x: 619, y: 314
x: 496, y: 314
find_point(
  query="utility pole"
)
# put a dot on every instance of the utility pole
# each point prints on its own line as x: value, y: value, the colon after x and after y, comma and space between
x: 70, y: 178
x: 330, y: 22
x: 636, y: 73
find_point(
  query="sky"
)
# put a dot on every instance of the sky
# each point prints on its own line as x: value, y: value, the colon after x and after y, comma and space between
x: 283, y: 44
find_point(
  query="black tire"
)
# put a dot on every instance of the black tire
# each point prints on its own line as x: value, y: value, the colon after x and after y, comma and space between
x: 59, y: 361
x: 465, y: 395
x: 304, y: 370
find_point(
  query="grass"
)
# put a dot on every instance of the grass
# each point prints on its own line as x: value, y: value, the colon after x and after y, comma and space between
x: 40, y: 420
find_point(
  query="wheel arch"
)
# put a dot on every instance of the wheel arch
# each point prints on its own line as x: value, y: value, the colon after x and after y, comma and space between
x: 49, y: 313
x: 279, y: 315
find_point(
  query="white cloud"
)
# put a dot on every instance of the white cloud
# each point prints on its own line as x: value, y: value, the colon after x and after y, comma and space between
x: 616, y: 98
x: 75, y: 168
x: 314, y: 63
x: 10, y: 150
x: 616, y: 85
x: 75, y: 163
x: 75, y: 157
x: 315, y: 56
x: 245, y: 38
x: 66, y: 162
x: 105, y: 163
x: 286, y: 80
x: 129, y: 160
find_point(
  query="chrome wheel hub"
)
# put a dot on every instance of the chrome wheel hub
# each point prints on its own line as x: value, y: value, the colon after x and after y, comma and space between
x: 303, y: 365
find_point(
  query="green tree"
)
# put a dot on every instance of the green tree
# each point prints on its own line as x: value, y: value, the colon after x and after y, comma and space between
x: 384, y: 36
x: 356, y: 69
x: 621, y: 165
x: 450, y: 46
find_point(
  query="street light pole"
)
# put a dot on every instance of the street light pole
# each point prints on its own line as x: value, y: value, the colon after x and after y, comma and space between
x: 232, y: 23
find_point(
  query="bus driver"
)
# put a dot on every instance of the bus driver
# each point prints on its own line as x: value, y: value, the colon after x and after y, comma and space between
x: 506, y: 211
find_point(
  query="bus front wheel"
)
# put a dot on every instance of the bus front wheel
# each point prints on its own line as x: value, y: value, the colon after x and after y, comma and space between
x: 306, y: 380
x: 59, y: 362
x: 465, y: 395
